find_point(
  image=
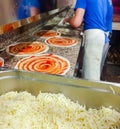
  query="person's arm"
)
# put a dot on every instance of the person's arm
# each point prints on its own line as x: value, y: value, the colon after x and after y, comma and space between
x: 34, y: 11
x: 34, y: 7
x: 77, y: 19
x: 109, y: 17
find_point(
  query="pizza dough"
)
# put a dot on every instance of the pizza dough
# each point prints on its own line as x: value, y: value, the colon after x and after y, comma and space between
x: 46, y: 33
x: 63, y: 30
x: 1, y: 62
x: 48, y: 63
x: 27, y: 48
x: 61, y: 41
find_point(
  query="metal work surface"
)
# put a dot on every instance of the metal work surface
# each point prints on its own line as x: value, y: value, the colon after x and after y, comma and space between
x: 91, y: 94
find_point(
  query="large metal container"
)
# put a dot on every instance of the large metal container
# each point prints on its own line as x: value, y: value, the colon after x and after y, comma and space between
x: 91, y: 94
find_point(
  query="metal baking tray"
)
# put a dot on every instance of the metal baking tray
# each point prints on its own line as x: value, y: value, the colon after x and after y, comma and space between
x: 91, y: 94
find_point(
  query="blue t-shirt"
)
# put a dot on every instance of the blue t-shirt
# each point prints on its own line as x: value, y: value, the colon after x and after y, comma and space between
x: 24, y: 8
x: 98, y: 14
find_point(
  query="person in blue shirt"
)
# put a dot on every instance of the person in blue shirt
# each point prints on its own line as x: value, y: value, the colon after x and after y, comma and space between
x: 29, y: 8
x: 97, y: 18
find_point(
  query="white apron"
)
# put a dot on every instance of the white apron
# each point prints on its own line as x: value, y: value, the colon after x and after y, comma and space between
x: 95, y: 51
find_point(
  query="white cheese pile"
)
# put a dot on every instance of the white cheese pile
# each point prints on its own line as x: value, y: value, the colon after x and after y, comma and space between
x: 52, y: 111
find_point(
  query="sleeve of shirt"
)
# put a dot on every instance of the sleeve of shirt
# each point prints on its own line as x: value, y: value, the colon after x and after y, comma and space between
x: 109, y: 16
x: 35, y: 3
x: 80, y: 4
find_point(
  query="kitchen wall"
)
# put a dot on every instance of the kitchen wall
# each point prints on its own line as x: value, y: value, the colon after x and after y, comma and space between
x: 7, y: 9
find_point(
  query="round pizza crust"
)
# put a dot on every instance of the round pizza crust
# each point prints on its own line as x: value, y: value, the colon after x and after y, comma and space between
x: 46, y: 33
x: 27, y: 48
x: 63, y: 30
x: 46, y: 63
x: 61, y: 41
x: 1, y: 62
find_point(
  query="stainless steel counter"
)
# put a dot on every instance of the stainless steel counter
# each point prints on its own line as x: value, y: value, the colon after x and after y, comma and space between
x: 116, y: 26
x: 91, y: 94
x: 116, y: 22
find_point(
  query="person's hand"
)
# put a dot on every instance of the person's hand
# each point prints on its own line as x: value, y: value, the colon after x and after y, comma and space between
x: 66, y: 20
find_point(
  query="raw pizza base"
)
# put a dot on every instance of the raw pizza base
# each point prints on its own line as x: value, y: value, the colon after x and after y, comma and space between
x: 1, y: 62
x: 63, y: 30
x: 61, y: 41
x: 46, y: 33
x: 27, y: 48
x: 47, y: 63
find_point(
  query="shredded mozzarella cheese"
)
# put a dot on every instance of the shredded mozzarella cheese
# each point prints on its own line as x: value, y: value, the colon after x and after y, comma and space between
x: 52, y: 111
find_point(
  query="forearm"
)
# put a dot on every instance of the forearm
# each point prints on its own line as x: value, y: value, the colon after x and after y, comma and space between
x: 34, y: 11
x: 77, y: 19
x: 74, y: 23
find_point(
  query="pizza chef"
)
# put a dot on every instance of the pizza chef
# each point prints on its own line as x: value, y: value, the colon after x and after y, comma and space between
x: 97, y: 18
